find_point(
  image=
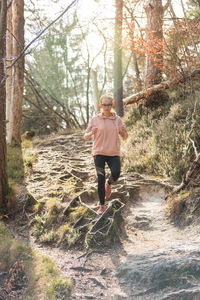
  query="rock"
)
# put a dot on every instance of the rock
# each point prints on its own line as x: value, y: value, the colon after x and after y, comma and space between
x: 160, y: 273
x: 103, y: 272
x: 28, y: 135
x: 107, y: 228
x: 183, y: 295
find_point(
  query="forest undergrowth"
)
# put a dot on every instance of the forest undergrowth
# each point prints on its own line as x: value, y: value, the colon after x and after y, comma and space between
x: 160, y: 138
x: 163, y: 142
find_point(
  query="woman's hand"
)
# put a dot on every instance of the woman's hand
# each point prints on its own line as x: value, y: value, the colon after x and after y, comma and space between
x: 88, y: 135
x: 123, y: 132
x: 94, y: 130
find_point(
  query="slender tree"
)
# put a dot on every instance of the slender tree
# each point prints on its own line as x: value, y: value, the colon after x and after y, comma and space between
x: 118, y: 79
x: 3, y: 165
x: 95, y: 90
x: 9, y: 55
x: 15, y: 126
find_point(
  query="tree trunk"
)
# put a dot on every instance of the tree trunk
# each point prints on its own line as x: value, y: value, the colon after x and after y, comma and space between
x: 95, y: 90
x: 9, y: 56
x: 154, y: 36
x: 118, y: 81
x: 15, y: 128
x: 137, y: 79
x: 3, y: 165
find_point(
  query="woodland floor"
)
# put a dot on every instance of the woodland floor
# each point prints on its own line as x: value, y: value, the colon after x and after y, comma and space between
x: 153, y: 260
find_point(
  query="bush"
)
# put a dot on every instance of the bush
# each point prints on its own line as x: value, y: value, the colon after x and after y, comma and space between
x: 159, y: 141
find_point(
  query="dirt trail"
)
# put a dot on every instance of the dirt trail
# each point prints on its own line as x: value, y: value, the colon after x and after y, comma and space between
x: 147, y: 225
x: 149, y: 240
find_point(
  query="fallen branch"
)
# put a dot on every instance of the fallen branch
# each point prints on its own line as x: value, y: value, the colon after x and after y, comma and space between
x: 146, y: 93
x: 191, y: 178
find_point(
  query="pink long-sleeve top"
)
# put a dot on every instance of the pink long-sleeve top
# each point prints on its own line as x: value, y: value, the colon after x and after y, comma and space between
x: 106, y: 139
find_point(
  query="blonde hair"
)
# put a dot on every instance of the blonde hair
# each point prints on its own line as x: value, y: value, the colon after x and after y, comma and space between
x: 108, y: 97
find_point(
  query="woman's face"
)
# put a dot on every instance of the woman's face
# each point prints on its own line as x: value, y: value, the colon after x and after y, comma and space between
x: 106, y: 105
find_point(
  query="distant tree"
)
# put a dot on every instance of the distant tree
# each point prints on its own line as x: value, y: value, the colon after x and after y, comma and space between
x: 118, y: 80
x: 3, y: 164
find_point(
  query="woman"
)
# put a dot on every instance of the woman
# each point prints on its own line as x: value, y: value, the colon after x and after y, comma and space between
x: 106, y: 127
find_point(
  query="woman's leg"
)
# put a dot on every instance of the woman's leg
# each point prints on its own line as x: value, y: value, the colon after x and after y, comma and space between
x: 99, y: 161
x: 114, y: 164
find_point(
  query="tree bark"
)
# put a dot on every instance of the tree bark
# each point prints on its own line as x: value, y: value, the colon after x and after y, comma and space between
x: 137, y: 79
x: 9, y: 56
x: 95, y: 90
x: 118, y: 79
x: 15, y: 128
x: 154, y: 36
x: 3, y: 164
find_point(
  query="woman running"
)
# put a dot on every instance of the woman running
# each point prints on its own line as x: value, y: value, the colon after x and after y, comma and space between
x: 106, y: 127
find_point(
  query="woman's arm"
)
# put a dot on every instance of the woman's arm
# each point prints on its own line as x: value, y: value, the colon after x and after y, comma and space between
x: 122, y: 129
x: 89, y: 134
x: 123, y: 133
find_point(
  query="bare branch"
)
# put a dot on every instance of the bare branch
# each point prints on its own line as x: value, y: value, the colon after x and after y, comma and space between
x: 167, y: 5
x: 9, y: 4
x: 188, y: 27
x: 41, y: 33
x: 194, y: 147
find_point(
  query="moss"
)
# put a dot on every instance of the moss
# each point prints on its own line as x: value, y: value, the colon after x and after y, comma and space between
x: 53, y: 205
x: 15, y: 164
x: 49, y: 284
x: 29, y: 155
x: 64, y: 229
x: 59, y: 289
x: 38, y: 207
x: 39, y: 224
x: 72, y: 237
x: 77, y: 213
x: 49, y: 237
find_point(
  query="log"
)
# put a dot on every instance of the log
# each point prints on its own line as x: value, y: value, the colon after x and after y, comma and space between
x: 147, y: 92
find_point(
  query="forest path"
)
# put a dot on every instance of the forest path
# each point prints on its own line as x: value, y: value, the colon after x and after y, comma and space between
x: 154, y: 260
